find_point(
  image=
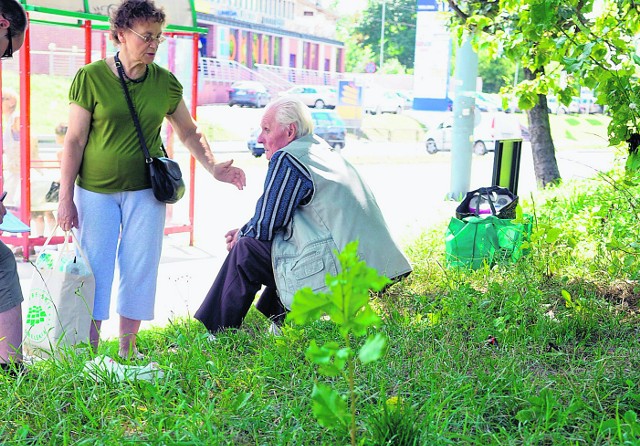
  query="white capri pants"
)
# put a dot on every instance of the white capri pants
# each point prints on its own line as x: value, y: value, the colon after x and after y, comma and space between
x: 127, y: 227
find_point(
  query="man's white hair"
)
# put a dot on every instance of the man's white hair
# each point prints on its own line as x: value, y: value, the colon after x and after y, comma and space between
x: 289, y: 110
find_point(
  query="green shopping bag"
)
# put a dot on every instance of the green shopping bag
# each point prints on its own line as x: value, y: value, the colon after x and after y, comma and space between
x: 472, y: 241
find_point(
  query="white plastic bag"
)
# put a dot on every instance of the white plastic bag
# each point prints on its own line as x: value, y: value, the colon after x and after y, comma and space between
x: 60, y: 299
x: 104, y: 368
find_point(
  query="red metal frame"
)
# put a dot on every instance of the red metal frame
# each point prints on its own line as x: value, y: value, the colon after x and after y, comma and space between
x: 25, y: 240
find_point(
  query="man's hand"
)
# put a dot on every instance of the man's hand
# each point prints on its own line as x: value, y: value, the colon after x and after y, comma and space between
x: 224, y: 171
x: 231, y: 237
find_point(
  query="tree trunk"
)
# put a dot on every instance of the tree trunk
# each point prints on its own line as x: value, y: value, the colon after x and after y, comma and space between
x: 544, y: 152
x: 633, y: 161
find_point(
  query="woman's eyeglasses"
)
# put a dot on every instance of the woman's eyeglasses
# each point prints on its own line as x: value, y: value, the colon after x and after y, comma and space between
x: 8, y: 53
x: 148, y: 39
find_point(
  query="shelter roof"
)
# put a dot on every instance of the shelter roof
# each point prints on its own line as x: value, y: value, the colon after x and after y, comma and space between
x: 181, y: 14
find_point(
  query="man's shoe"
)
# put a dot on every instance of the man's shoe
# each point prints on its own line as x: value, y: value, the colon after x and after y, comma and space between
x: 275, y: 329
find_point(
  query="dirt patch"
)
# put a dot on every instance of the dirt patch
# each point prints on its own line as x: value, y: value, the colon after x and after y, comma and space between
x: 623, y: 295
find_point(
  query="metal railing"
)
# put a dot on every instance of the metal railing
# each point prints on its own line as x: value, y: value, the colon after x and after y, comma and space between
x: 302, y: 75
x: 53, y: 62
x: 224, y: 71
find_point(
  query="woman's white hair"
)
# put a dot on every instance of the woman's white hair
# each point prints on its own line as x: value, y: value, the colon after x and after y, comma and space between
x: 289, y: 110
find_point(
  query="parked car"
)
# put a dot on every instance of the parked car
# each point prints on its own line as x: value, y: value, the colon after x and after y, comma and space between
x: 316, y: 96
x: 558, y: 108
x: 512, y: 105
x: 382, y: 101
x: 487, y: 102
x: 256, y: 148
x: 588, y: 105
x: 407, y: 95
x: 327, y: 125
x: 484, y: 102
x: 330, y: 127
x: 248, y: 93
x: 490, y: 127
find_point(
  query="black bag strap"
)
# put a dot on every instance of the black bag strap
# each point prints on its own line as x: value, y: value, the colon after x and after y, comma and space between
x: 486, y: 192
x: 132, y: 110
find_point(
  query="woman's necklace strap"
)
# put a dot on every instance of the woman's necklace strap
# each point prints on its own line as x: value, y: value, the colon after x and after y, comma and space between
x: 124, y: 73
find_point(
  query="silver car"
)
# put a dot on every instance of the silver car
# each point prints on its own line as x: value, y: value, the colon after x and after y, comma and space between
x: 316, y: 96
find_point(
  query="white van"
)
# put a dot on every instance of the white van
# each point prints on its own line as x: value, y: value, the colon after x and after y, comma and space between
x: 376, y: 101
x: 490, y: 127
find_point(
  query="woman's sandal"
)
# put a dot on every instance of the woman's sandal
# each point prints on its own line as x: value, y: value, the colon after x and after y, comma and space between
x: 14, y: 369
x: 134, y: 355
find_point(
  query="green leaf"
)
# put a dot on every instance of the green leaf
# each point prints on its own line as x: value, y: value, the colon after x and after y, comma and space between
x: 330, y: 358
x: 308, y: 306
x: 608, y: 426
x: 321, y: 355
x: 526, y: 415
x: 373, y: 349
x: 568, y: 302
x: 630, y: 417
x: 329, y: 408
x: 553, y: 234
x: 359, y: 324
x: 241, y: 400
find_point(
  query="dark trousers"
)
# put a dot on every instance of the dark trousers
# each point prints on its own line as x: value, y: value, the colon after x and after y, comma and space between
x: 245, y: 270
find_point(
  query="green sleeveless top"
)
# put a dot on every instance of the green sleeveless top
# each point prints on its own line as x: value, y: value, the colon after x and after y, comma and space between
x: 112, y: 160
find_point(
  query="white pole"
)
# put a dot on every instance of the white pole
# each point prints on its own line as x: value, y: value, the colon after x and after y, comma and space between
x: 384, y: 5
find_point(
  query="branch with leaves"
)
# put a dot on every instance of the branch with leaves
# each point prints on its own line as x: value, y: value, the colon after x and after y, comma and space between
x: 347, y: 305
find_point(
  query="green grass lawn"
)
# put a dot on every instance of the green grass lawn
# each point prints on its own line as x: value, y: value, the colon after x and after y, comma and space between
x: 391, y: 127
x: 564, y: 367
x: 589, y: 131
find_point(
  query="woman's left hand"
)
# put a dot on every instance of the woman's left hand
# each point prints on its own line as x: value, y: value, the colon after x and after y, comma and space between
x: 224, y: 171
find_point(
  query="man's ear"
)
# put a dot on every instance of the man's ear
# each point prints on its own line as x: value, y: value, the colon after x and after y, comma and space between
x: 291, y: 132
x: 4, y: 23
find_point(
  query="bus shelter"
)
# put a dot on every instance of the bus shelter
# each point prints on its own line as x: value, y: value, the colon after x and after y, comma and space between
x: 82, y: 26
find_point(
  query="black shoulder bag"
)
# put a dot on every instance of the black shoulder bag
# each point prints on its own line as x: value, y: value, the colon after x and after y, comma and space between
x: 166, y: 176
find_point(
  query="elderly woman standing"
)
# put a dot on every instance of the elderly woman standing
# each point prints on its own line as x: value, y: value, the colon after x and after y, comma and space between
x: 112, y: 203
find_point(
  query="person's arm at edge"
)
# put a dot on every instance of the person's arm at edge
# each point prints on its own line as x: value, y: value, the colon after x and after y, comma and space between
x: 191, y: 136
x: 3, y: 210
x: 70, y: 160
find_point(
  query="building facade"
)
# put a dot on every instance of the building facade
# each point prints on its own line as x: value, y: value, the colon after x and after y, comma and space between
x: 277, y: 42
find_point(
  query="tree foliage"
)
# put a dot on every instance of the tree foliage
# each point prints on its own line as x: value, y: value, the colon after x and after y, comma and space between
x: 566, y: 45
x: 495, y: 73
x: 399, y: 30
x: 356, y: 56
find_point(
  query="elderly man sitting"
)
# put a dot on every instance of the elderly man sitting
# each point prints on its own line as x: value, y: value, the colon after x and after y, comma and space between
x: 314, y: 202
